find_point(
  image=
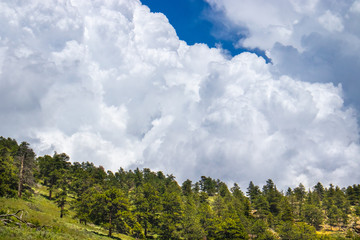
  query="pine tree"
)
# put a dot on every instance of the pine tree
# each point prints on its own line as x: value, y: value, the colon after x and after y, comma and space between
x: 109, y: 208
x: 186, y: 188
x: 313, y: 215
x: 8, y: 169
x: 147, y: 204
x: 229, y: 228
x: 260, y: 231
x: 172, y: 211
x: 273, y: 197
x: 26, y: 161
x: 253, y: 191
x: 319, y: 190
x: 191, y: 226
x: 61, y: 196
x: 51, y: 169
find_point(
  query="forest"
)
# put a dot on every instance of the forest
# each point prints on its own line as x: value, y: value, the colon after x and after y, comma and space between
x: 144, y: 204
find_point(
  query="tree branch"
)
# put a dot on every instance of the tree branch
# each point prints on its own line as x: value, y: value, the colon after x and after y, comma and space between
x: 5, y: 218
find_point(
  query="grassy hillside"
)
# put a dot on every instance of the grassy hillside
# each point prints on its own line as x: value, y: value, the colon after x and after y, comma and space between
x: 44, y: 217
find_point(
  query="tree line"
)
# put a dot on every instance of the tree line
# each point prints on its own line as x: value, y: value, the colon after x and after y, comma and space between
x: 147, y: 204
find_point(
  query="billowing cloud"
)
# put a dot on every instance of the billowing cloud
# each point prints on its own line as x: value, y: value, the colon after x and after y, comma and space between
x: 110, y: 82
x: 313, y: 41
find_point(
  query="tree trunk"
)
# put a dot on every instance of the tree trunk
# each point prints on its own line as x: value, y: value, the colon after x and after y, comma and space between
x: 21, y: 177
x: 50, y: 192
x: 62, y: 211
x: 110, y: 227
x: 146, y: 230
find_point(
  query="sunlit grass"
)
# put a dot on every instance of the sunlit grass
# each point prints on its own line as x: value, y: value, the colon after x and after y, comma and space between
x: 44, y: 214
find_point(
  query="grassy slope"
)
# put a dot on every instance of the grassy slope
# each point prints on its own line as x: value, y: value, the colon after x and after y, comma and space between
x: 42, y: 212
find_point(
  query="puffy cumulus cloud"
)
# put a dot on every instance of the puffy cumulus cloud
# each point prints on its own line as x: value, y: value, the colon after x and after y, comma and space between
x: 110, y: 82
x: 314, y: 41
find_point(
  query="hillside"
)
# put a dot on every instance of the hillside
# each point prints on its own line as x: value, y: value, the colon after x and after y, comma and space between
x: 41, y: 220
x: 45, y: 222
x: 50, y: 196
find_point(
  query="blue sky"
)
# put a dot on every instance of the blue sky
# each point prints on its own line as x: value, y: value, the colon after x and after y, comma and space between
x: 196, y: 22
x: 110, y: 82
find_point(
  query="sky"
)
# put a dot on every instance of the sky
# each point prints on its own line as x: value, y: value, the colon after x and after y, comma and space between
x: 195, y: 21
x: 239, y: 90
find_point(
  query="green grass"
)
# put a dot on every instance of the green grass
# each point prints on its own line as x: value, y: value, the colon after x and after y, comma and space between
x: 40, y: 211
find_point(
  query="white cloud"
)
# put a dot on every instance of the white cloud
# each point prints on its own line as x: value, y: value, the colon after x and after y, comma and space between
x: 331, y: 22
x: 313, y: 41
x: 265, y: 22
x: 355, y: 7
x: 110, y: 82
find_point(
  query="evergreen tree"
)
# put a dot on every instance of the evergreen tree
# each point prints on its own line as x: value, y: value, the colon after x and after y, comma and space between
x: 297, y: 231
x: 191, y: 226
x: 208, y: 185
x: 204, y: 210
x: 25, y: 157
x: 172, y: 211
x: 223, y: 189
x: 110, y: 208
x: 299, y: 195
x: 8, y: 169
x: 187, y: 188
x: 273, y: 197
x: 229, y: 228
x: 313, y: 215
x: 52, y: 168
x: 240, y: 202
x: 319, y: 190
x: 61, y: 196
x: 286, y: 214
x: 253, y: 191
x: 334, y: 215
x: 218, y: 206
x: 262, y: 206
x: 260, y: 231
x: 147, y: 204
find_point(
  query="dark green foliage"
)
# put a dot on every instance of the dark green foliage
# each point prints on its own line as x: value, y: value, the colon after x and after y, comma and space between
x: 300, y: 193
x: 228, y: 228
x: 357, y: 211
x: 146, y: 204
x: 52, y: 169
x: 273, y: 197
x: 208, y: 185
x: 334, y: 215
x: 286, y: 214
x: 61, y: 196
x: 262, y: 207
x: 296, y: 231
x: 187, y: 188
x: 146, y: 200
x: 313, y: 215
x: 259, y: 230
x: 319, y: 190
x: 137, y: 231
x: 171, y: 211
x: 223, y: 189
x: 190, y: 223
x: 253, y: 191
x: 17, y: 167
x: 8, y: 170
x: 109, y: 208
x: 25, y: 160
